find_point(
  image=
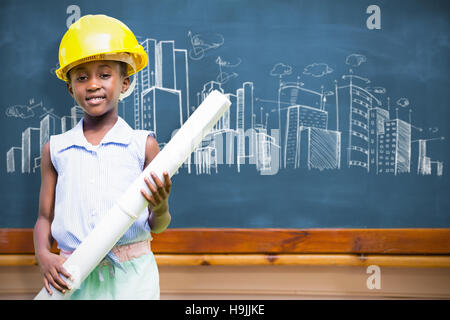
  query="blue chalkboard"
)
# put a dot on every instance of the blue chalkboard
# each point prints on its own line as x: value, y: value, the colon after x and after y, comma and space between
x: 340, y: 111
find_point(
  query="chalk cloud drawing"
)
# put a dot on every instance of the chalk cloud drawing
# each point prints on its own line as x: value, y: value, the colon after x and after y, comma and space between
x: 317, y: 70
x: 280, y: 69
x: 355, y: 60
x: 403, y: 102
x: 203, y: 43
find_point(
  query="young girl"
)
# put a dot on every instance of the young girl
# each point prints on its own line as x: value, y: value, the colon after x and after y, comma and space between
x: 86, y: 169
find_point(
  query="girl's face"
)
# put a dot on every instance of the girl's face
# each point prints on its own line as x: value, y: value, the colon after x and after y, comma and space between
x: 96, y: 86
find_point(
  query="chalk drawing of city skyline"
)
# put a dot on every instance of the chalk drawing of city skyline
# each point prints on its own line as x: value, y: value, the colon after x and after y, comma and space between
x: 344, y: 126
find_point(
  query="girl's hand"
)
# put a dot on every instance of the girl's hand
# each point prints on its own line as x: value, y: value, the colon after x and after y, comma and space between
x: 158, y: 201
x: 51, y: 267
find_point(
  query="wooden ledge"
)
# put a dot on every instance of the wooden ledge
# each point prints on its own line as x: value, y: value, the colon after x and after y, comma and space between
x: 353, y: 260
x: 274, y: 241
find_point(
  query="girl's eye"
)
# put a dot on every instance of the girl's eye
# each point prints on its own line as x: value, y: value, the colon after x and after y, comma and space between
x: 105, y: 75
x: 81, y: 78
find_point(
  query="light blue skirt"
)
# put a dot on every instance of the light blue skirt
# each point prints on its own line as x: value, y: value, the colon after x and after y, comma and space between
x: 139, y: 280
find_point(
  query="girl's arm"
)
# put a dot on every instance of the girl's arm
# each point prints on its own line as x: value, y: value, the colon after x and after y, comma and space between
x: 51, y: 264
x: 158, y: 209
x: 43, y: 239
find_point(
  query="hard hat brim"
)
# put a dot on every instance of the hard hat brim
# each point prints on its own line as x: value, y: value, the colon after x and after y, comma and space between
x: 135, y: 61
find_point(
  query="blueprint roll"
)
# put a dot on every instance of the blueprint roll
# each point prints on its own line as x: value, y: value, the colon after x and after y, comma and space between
x: 126, y: 210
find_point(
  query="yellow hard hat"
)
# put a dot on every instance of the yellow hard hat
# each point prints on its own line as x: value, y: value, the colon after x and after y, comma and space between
x: 99, y: 37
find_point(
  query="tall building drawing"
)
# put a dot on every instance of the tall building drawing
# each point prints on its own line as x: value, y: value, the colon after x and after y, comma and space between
x: 248, y: 106
x: 224, y: 121
x: 290, y: 94
x: 182, y: 79
x: 377, y: 118
x: 76, y: 114
x: 353, y: 104
x: 66, y: 123
x: 165, y: 65
x: 13, y: 159
x: 318, y: 149
x: 161, y: 95
x: 161, y: 112
x: 30, y: 149
x: 245, y: 123
x: 266, y: 147
x: 148, y: 73
x: 49, y: 125
x: 395, y: 147
x: 300, y: 116
x: 232, y: 112
x: 421, y: 163
x: 240, y: 129
x: 424, y: 163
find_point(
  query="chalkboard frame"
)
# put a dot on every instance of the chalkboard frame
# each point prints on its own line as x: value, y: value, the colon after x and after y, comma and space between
x: 429, y: 241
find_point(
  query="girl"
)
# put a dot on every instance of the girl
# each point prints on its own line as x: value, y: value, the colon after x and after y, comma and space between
x: 86, y: 169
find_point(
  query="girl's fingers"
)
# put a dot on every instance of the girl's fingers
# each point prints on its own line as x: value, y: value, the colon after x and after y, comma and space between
x: 153, y: 190
x: 54, y: 284
x: 168, y: 183
x: 148, y: 198
x: 61, y: 283
x: 47, y: 287
x: 64, y: 272
x: 159, y: 186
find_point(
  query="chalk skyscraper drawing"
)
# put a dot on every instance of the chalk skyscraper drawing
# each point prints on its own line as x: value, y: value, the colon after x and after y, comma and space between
x: 308, y: 129
x: 161, y: 96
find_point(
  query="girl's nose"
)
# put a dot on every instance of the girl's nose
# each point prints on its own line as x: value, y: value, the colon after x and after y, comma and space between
x: 93, y: 84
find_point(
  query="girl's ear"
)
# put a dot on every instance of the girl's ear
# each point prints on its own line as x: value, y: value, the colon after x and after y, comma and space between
x: 125, y: 84
x: 69, y: 87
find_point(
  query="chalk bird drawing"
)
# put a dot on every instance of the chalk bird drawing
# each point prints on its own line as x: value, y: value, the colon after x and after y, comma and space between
x: 377, y: 90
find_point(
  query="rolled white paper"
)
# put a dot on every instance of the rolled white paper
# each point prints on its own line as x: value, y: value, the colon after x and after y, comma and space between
x: 126, y: 210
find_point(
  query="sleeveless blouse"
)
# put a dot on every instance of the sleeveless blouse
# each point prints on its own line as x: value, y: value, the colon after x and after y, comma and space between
x: 91, y: 178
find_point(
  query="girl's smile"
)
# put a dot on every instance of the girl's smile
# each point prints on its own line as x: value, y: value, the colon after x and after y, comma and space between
x: 96, y: 86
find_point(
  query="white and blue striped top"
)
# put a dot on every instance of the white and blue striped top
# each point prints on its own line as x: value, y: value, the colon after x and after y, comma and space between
x: 91, y: 178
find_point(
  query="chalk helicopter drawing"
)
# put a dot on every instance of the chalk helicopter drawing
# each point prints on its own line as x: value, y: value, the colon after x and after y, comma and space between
x: 203, y: 43
x: 21, y: 111
x: 223, y: 77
